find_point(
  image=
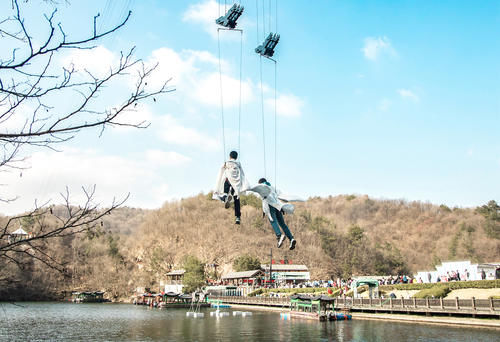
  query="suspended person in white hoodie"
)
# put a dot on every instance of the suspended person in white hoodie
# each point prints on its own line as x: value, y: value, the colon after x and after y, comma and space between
x: 231, y: 183
x: 273, y: 208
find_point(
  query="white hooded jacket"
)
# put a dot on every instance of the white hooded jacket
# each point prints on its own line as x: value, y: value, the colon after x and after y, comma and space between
x: 270, y: 197
x: 232, y: 171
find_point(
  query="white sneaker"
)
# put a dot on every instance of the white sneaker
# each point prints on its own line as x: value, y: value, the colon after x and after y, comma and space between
x: 292, y: 244
x: 281, y: 239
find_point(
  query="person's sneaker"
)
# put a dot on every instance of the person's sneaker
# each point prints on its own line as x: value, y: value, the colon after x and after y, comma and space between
x: 228, y: 201
x: 292, y: 244
x: 238, y: 220
x: 280, y: 240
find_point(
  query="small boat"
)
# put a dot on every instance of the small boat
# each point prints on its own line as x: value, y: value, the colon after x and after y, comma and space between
x: 320, y: 308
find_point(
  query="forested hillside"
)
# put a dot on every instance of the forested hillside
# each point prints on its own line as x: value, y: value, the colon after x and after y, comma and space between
x: 337, y: 236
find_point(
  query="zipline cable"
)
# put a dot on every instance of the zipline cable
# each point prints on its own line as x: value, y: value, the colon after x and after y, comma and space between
x: 276, y: 104
x: 263, y: 124
x: 257, y: 10
x: 270, y: 15
x: 276, y: 13
x: 222, y: 87
x: 239, y: 109
x: 263, y: 18
x: 221, y: 97
x: 275, y: 123
x: 104, y: 14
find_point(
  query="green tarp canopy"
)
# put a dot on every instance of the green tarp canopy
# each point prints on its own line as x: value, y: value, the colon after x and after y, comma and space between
x: 369, y: 282
x: 312, y: 298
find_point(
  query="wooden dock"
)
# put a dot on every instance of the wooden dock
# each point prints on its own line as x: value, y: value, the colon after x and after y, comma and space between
x: 450, y: 307
x: 438, y: 306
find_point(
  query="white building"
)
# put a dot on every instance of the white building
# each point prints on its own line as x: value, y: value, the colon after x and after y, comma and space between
x: 174, y: 281
x: 287, y: 273
x: 465, y: 269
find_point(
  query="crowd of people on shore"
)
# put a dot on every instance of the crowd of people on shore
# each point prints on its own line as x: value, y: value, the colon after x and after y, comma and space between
x: 345, y: 284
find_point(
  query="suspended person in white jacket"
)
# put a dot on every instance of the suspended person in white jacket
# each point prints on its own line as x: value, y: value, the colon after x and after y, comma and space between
x: 273, y: 208
x: 231, y: 183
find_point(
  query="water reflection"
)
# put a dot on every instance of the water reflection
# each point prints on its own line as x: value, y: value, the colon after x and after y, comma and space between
x: 124, y: 322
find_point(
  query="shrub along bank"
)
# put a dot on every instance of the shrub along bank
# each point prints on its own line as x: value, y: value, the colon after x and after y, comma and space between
x: 434, y: 292
x: 454, y: 285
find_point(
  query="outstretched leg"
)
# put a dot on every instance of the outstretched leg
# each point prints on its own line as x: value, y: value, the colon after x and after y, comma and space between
x: 284, y: 227
x: 237, y: 206
x: 229, y: 193
x: 274, y: 222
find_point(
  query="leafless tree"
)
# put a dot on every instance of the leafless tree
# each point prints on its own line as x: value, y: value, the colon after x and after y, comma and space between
x: 31, y: 116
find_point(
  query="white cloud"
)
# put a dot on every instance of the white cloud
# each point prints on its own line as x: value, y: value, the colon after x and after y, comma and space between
x: 207, y: 90
x: 195, y: 74
x: 172, y: 131
x: 166, y: 158
x: 408, y: 94
x: 170, y: 65
x: 384, y: 105
x: 114, y: 176
x: 205, y: 14
x: 140, y: 114
x: 374, y: 47
x: 18, y: 119
x: 287, y: 105
x: 97, y: 61
x: 205, y: 56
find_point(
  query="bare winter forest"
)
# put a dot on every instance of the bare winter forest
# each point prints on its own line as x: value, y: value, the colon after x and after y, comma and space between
x: 337, y: 236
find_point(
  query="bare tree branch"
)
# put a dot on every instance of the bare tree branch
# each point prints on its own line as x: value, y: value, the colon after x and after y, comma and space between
x: 31, y: 83
x: 49, y: 224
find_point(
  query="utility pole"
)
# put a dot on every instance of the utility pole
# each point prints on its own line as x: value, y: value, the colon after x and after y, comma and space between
x: 271, y: 268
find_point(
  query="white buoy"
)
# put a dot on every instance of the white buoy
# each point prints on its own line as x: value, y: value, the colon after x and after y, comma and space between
x: 245, y: 314
x: 219, y: 313
x: 195, y: 314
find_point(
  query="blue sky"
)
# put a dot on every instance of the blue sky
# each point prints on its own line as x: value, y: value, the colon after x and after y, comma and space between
x: 389, y: 99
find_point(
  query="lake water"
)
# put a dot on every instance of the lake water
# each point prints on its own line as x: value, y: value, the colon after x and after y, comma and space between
x: 126, y: 322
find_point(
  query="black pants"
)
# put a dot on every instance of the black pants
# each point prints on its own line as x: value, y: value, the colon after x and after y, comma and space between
x: 228, y: 189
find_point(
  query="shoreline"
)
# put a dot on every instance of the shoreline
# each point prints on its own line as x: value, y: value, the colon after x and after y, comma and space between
x: 415, y: 319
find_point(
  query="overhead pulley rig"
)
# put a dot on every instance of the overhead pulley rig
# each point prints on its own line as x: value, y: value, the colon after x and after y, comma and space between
x: 228, y: 22
x: 266, y: 49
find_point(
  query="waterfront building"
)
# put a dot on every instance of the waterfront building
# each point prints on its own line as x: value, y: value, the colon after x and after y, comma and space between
x: 173, y: 282
x: 243, y: 278
x: 287, y: 273
x: 88, y: 297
